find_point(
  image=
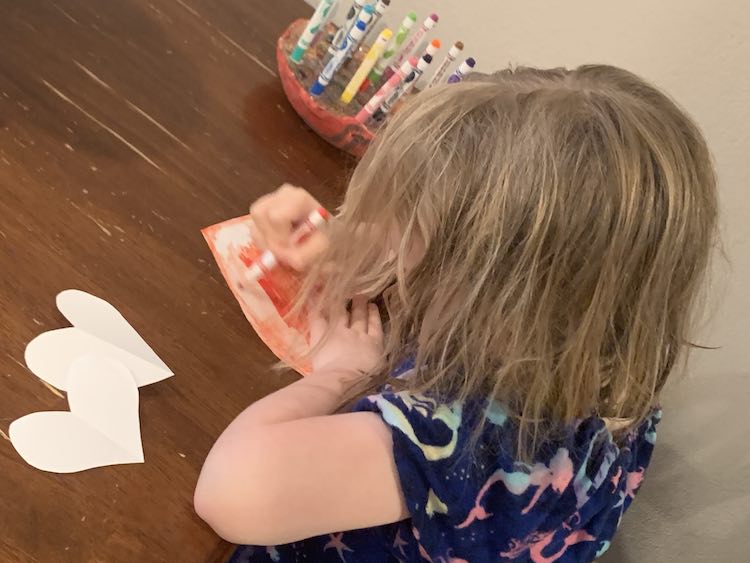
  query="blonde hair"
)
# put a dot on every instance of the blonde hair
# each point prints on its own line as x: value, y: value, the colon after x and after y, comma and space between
x: 566, y: 220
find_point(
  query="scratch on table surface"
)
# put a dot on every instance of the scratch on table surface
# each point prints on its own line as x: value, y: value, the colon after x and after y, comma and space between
x: 159, y: 13
x: 156, y: 123
x: 4, y: 435
x: 249, y: 55
x: 93, y: 76
x: 2, y: 234
x: 159, y: 215
x: 16, y: 361
x: 111, y: 131
x: 66, y: 14
x: 47, y: 385
x: 189, y: 9
x: 231, y: 41
x: 96, y: 221
x: 130, y: 104
x: 54, y: 391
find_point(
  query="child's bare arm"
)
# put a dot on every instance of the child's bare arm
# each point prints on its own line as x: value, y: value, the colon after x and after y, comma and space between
x: 287, y: 469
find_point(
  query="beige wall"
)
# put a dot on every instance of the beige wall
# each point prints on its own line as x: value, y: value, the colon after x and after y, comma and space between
x: 695, y: 505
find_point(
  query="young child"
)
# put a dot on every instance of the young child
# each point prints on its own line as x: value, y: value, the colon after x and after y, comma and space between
x: 539, y: 238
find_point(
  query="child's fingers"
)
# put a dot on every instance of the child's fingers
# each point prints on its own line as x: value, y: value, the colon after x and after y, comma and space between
x: 340, y: 315
x: 374, y: 324
x: 359, y: 314
x: 301, y: 256
x: 264, y: 232
x: 318, y: 326
x: 258, y: 239
x: 278, y: 214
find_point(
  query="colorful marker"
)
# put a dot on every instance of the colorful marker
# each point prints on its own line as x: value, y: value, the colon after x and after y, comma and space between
x: 380, y: 9
x: 403, y: 88
x: 391, y: 50
x: 326, y: 75
x: 318, y: 19
x: 463, y: 69
x: 367, y: 63
x: 411, y: 45
x: 447, y: 61
x: 346, y: 27
x: 267, y: 261
x: 421, y: 67
x: 432, y: 48
x: 385, y: 90
x: 364, y: 16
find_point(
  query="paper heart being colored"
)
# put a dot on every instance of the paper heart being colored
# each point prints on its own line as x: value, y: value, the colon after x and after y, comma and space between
x: 97, y: 327
x: 266, y: 302
x: 101, y: 428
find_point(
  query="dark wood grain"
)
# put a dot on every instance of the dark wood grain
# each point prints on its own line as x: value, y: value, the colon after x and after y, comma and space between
x: 126, y: 127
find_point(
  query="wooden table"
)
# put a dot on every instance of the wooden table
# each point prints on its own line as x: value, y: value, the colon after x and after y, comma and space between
x: 126, y: 127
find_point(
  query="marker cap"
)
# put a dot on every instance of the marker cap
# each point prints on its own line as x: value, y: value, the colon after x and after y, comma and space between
x: 358, y: 30
x: 424, y: 62
x: 456, y: 50
x: 317, y: 88
x: 466, y: 66
x: 382, y: 6
x: 385, y: 35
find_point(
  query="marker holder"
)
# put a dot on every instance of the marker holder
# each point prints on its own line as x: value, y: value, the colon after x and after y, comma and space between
x: 325, y: 114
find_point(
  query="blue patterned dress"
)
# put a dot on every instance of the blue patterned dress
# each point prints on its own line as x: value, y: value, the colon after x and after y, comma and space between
x: 564, y: 507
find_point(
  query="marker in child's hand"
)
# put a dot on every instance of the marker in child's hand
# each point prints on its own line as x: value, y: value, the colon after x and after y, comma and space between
x: 267, y: 261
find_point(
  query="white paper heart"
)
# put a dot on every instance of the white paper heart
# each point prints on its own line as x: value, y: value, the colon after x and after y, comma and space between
x: 99, y: 328
x: 101, y: 428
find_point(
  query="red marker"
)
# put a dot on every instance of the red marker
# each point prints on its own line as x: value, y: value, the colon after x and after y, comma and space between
x: 267, y: 261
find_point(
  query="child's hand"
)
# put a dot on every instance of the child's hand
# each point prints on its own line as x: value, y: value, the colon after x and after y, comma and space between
x: 275, y: 218
x: 355, y: 344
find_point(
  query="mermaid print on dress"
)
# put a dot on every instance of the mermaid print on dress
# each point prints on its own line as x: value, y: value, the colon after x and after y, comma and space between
x: 563, y: 507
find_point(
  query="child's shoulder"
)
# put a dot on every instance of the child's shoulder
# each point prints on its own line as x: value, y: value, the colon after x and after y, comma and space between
x: 456, y: 479
x: 427, y: 422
